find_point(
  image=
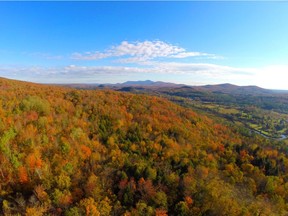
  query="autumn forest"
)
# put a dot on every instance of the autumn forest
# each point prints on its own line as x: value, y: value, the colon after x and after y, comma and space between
x: 66, y: 151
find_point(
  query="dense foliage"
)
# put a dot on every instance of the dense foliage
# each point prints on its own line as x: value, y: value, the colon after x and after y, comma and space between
x: 92, y: 152
x: 262, y: 111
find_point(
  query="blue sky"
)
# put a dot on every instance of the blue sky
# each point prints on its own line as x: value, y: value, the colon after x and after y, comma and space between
x: 244, y: 43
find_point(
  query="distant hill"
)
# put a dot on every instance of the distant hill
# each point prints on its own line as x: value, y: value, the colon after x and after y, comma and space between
x: 159, y: 85
x: 146, y: 83
x: 131, y: 83
x: 219, y: 88
x: 234, y: 89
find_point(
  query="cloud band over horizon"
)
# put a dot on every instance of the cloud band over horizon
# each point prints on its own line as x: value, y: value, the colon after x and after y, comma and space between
x: 155, y: 60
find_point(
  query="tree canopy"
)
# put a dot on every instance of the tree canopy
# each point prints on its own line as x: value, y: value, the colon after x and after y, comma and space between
x: 100, y: 152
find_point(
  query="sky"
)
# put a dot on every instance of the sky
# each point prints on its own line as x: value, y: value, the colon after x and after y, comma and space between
x: 194, y: 43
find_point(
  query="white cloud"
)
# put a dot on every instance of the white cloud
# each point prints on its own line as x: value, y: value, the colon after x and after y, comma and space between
x: 190, y: 54
x: 73, y: 73
x: 133, y: 52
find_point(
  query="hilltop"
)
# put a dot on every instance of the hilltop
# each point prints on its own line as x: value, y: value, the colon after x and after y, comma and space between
x: 65, y: 151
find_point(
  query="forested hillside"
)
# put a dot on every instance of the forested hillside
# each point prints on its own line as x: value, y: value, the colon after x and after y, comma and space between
x: 260, y: 110
x: 101, y: 152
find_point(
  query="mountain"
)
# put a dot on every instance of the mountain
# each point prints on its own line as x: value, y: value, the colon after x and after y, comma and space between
x: 65, y: 151
x: 234, y: 89
x: 145, y: 83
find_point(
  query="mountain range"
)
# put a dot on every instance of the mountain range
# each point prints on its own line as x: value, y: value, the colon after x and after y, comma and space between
x: 148, y: 84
